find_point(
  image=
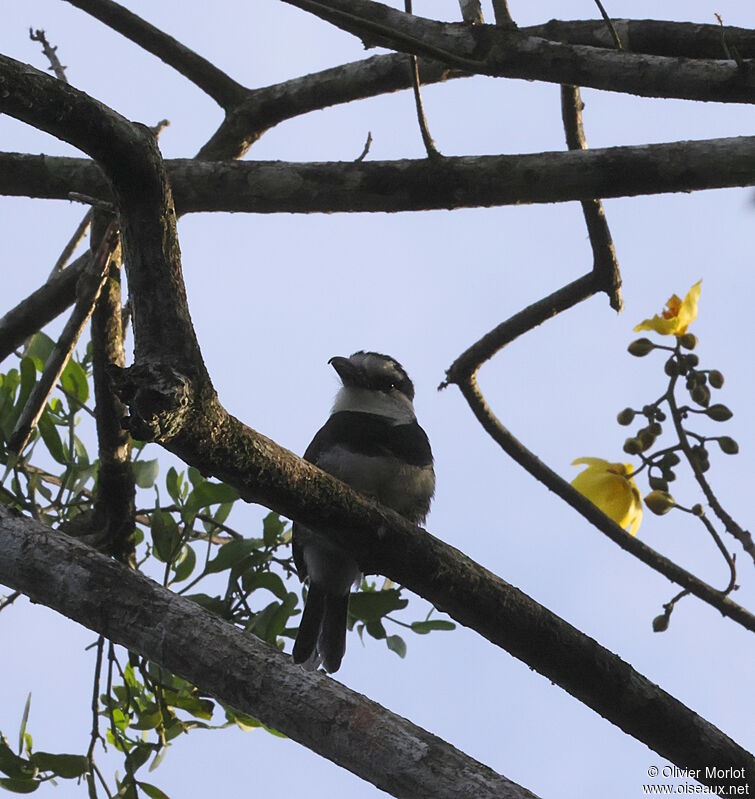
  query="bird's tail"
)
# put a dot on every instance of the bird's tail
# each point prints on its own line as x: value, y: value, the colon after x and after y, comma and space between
x: 322, y: 632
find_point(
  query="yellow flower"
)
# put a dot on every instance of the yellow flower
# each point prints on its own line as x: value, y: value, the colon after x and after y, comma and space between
x: 608, y: 486
x: 677, y: 316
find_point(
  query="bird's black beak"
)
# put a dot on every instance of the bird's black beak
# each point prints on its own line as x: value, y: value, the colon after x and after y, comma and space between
x: 345, y: 369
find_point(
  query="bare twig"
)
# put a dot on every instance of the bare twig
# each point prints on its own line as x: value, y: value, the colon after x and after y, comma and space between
x: 605, y: 263
x: 612, y: 29
x: 427, y: 139
x: 7, y: 601
x: 95, y: 202
x: 51, y: 54
x: 365, y: 149
x: 59, y: 357
x: 73, y: 243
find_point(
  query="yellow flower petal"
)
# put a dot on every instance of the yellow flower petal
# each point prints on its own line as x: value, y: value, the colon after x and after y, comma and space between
x: 608, y: 486
x: 677, y: 316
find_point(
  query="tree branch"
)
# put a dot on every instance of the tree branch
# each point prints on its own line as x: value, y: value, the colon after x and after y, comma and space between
x: 238, y: 668
x: 605, y: 263
x: 201, y: 72
x: 502, y: 52
x: 115, y: 502
x: 41, y: 307
x: 172, y: 401
x: 411, y: 185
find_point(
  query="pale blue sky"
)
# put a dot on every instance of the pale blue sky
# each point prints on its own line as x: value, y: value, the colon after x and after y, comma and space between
x: 274, y: 297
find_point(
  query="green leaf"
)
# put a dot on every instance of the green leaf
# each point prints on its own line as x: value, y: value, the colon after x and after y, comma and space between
x: 174, y: 484
x: 51, y: 437
x: 39, y: 350
x: 396, y: 644
x: 231, y: 554
x: 268, y: 580
x: 195, y: 476
x: 207, y: 493
x: 212, y: 603
x: 145, y: 473
x: 152, y: 791
x: 13, y: 765
x: 165, y: 535
x: 24, y: 719
x: 272, y: 527
x: 148, y: 721
x: 66, y: 766
x: 19, y: 786
x: 425, y: 627
x: 74, y: 381
x: 138, y: 756
x: 376, y: 629
x: 200, y: 708
x: 185, y: 564
x: 373, y: 605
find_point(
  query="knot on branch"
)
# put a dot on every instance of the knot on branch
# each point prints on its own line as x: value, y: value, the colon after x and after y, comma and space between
x: 158, y: 398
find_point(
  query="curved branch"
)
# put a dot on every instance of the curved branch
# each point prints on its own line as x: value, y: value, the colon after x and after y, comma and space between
x: 500, y: 52
x: 238, y: 668
x: 411, y: 185
x: 463, y: 373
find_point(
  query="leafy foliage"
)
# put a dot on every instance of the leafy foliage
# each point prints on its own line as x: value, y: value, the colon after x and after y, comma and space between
x: 184, y: 538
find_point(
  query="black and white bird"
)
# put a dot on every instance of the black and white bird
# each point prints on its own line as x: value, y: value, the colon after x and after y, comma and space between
x: 371, y: 441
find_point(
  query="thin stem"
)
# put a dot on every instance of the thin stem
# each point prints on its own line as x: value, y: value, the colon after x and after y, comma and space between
x: 427, y: 139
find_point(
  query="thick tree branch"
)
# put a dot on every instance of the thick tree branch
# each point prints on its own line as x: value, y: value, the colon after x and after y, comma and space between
x: 411, y: 185
x: 501, y: 52
x: 203, y: 73
x: 115, y: 503
x: 237, y: 668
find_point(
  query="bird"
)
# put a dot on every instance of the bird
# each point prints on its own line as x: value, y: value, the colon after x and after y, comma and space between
x: 373, y: 442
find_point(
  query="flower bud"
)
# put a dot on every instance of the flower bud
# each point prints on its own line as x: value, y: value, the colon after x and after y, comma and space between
x: 659, y: 502
x: 691, y: 360
x: 719, y: 413
x: 670, y: 459
x: 698, y: 510
x: 671, y: 367
x: 658, y: 484
x: 640, y: 347
x: 660, y: 415
x: 632, y: 446
x: 655, y: 429
x: 688, y: 341
x: 728, y: 445
x: 625, y: 417
x: 647, y: 439
x: 660, y: 623
x: 715, y: 378
x: 701, y: 395
x: 669, y: 475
